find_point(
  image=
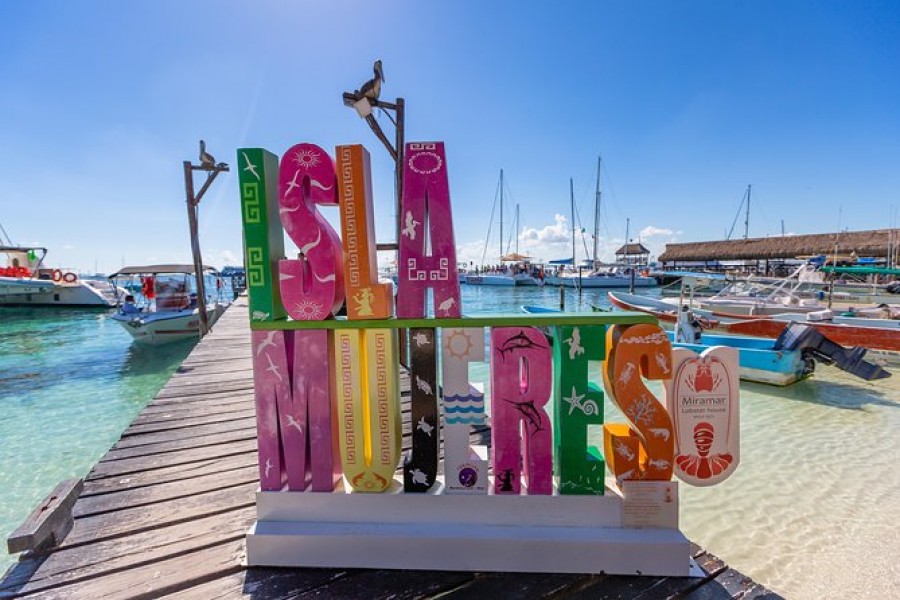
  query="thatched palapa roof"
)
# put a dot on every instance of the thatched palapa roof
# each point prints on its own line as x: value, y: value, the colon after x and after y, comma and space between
x: 862, y: 243
x: 632, y: 249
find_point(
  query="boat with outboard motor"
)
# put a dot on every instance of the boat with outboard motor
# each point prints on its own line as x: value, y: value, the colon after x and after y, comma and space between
x: 760, y: 360
x: 812, y: 341
x: 166, y: 310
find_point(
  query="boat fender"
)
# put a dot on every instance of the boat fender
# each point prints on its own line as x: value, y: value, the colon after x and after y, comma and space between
x: 70, y: 277
x: 820, y: 315
x: 57, y: 275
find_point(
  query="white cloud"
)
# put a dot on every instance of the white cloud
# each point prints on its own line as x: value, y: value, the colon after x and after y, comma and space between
x: 549, y: 234
x: 652, y: 231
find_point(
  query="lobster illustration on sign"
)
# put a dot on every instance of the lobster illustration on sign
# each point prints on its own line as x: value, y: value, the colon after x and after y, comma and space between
x: 645, y: 449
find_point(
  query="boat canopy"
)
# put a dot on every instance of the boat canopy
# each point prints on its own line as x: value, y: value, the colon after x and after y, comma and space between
x: 562, y: 261
x: 22, y: 249
x: 514, y: 257
x: 861, y: 270
x: 155, y: 269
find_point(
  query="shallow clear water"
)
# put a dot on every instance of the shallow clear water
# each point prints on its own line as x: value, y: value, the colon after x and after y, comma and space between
x: 811, y: 512
x: 813, y: 508
x: 70, y: 382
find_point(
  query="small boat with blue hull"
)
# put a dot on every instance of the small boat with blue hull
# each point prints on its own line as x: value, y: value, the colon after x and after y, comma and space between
x: 758, y: 358
x: 783, y: 361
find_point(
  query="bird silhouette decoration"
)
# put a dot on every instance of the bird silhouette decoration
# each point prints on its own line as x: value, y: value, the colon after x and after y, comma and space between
x: 372, y: 88
x: 206, y: 159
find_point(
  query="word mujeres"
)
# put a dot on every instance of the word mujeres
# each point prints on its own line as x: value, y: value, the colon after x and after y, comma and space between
x: 327, y: 390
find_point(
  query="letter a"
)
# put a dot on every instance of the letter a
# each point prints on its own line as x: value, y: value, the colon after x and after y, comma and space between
x: 426, y: 220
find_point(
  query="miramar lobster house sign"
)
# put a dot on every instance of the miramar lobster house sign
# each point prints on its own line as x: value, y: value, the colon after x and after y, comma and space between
x: 334, y: 491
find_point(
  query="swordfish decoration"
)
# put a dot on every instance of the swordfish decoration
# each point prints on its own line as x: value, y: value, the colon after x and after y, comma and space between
x: 521, y: 382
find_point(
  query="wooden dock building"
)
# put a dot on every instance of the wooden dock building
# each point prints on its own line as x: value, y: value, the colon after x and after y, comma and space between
x: 165, y: 513
x: 775, y: 255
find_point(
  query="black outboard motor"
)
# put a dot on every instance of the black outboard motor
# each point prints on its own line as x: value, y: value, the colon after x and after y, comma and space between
x: 812, y: 342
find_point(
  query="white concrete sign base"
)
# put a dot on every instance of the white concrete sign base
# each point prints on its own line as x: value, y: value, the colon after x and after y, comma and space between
x: 550, y: 534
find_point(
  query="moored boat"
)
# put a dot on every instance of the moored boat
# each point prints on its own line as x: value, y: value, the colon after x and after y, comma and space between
x: 845, y: 352
x: 167, y: 310
x: 25, y: 281
x: 758, y: 358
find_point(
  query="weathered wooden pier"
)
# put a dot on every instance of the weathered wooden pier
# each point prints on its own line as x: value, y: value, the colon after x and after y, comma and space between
x: 165, y: 512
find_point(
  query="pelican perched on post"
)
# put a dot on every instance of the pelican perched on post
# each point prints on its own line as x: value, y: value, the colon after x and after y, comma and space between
x: 206, y: 159
x: 372, y: 88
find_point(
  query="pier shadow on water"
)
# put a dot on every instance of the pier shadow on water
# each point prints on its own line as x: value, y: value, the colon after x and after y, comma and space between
x: 152, y: 360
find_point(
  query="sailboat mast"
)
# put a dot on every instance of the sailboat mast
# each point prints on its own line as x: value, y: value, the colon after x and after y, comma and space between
x: 517, y: 229
x: 572, y: 202
x: 747, y: 215
x: 596, y: 215
x: 627, y: 232
x: 501, y: 212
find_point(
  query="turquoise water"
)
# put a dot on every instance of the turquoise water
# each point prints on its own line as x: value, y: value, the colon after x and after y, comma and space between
x: 811, y: 512
x: 813, y: 508
x: 70, y: 382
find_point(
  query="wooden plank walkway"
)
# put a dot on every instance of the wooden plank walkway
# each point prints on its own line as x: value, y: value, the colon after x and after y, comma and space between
x: 165, y: 512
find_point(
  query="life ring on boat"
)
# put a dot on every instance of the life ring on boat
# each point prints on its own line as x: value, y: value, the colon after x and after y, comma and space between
x: 57, y: 275
x: 70, y: 277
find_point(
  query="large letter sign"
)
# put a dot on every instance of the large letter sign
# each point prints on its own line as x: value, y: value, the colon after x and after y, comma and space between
x: 646, y: 449
x: 263, y: 238
x: 312, y: 286
x: 350, y: 465
x: 368, y: 403
x: 521, y: 381
x: 420, y: 469
x: 366, y: 297
x: 426, y: 220
x: 293, y: 408
x: 465, y: 466
x: 579, y: 404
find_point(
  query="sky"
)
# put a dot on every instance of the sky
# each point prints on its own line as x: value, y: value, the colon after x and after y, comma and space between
x: 687, y: 103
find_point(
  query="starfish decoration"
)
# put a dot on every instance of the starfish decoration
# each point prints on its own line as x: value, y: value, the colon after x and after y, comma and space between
x: 575, y: 401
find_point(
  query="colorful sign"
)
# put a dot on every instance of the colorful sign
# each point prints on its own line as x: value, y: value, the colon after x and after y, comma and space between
x: 327, y: 389
x: 703, y: 399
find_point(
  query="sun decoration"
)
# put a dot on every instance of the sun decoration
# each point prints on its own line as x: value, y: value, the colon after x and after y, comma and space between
x: 425, y: 163
x: 459, y: 344
x: 306, y: 159
x: 310, y: 310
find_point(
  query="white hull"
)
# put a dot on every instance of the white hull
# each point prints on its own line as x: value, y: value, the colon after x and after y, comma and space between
x: 155, y: 328
x: 80, y: 293
x: 527, y: 280
x: 605, y: 281
x: 16, y: 286
x: 491, y: 279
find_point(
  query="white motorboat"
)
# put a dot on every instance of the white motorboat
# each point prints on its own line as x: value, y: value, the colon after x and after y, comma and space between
x: 166, y: 310
x: 25, y: 281
x: 612, y: 277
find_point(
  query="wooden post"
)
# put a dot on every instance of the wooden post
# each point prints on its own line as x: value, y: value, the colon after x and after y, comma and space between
x: 195, y: 245
x: 192, y: 202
